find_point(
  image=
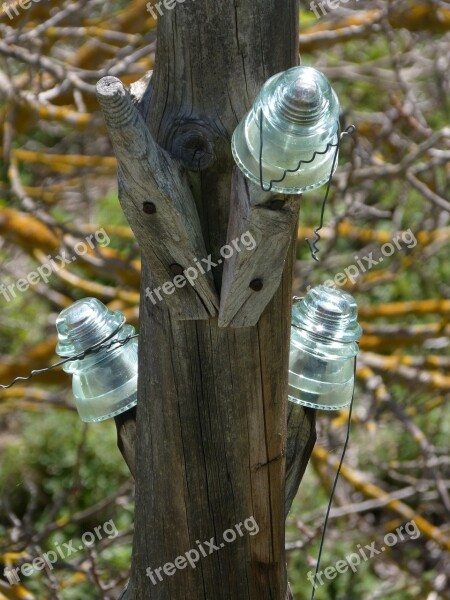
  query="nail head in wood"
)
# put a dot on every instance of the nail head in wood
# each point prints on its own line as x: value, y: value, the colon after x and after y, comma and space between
x: 256, y: 285
x: 176, y: 269
x: 149, y: 208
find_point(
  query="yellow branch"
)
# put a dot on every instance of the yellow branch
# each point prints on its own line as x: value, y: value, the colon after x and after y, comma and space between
x: 117, y: 230
x: 48, y: 193
x: 31, y: 234
x: 26, y: 231
x: 91, y: 287
x: 412, y: 411
x: 393, y: 361
x: 356, y: 479
x: 422, y: 17
x: 50, y: 112
x: 415, y: 307
x: 381, y: 236
x: 432, y: 379
x: 67, y: 160
x: 15, y: 592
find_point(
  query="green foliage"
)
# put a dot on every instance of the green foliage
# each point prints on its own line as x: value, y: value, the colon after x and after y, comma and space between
x: 47, y: 455
x: 53, y: 465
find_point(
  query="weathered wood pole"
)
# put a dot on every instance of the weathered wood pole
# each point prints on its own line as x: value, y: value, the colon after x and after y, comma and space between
x: 211, y: 423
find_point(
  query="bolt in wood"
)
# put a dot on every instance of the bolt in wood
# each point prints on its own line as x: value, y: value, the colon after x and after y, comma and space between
x: 256, y: 285
x: 149, y: 208
x: 176, y: 269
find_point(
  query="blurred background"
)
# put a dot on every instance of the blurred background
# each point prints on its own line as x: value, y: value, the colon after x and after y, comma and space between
x: 389, y: 63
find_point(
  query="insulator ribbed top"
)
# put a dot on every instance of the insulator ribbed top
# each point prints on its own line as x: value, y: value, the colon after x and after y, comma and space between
x: 301, y: 102
x: 330, y: 313
x: 84, y: 324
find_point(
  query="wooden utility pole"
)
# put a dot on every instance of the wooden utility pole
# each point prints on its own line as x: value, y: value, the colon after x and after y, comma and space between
x: 208, y: 444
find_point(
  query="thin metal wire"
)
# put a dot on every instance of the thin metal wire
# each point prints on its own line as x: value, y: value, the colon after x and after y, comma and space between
x: 101, y: 342
x: 313, y: 249
x: 338, y: 472
x: 350, y: 130
x: 103, y: 346
x: 92, y: 350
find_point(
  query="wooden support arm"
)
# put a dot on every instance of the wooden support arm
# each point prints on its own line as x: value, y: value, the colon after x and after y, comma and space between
x: 126, y: 437
x: 252, y: 276
x: 301, y: 437
x: 160, y: 208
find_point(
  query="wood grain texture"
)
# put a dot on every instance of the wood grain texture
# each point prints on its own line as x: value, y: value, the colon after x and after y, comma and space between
x: 158, y: 204
x: 210, y: 454
x: 126, y: 437
x: 211, y: 424
x: 251, y: 277
x: 300, y: 443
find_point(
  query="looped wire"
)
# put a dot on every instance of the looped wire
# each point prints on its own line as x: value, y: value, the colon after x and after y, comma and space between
x: 103, y: 345
x: 350, y: 130
x: 314, y: 250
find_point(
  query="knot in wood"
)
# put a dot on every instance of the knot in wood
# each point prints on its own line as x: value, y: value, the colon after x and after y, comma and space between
x: 191, y: 142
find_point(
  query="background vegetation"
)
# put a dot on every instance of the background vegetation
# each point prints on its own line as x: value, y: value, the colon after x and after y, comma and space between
x: 389, y: 62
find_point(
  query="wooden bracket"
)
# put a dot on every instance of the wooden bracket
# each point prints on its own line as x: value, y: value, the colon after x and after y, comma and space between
x: 301, y: 439
x: 160, y: 208
x: 252, y: 276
